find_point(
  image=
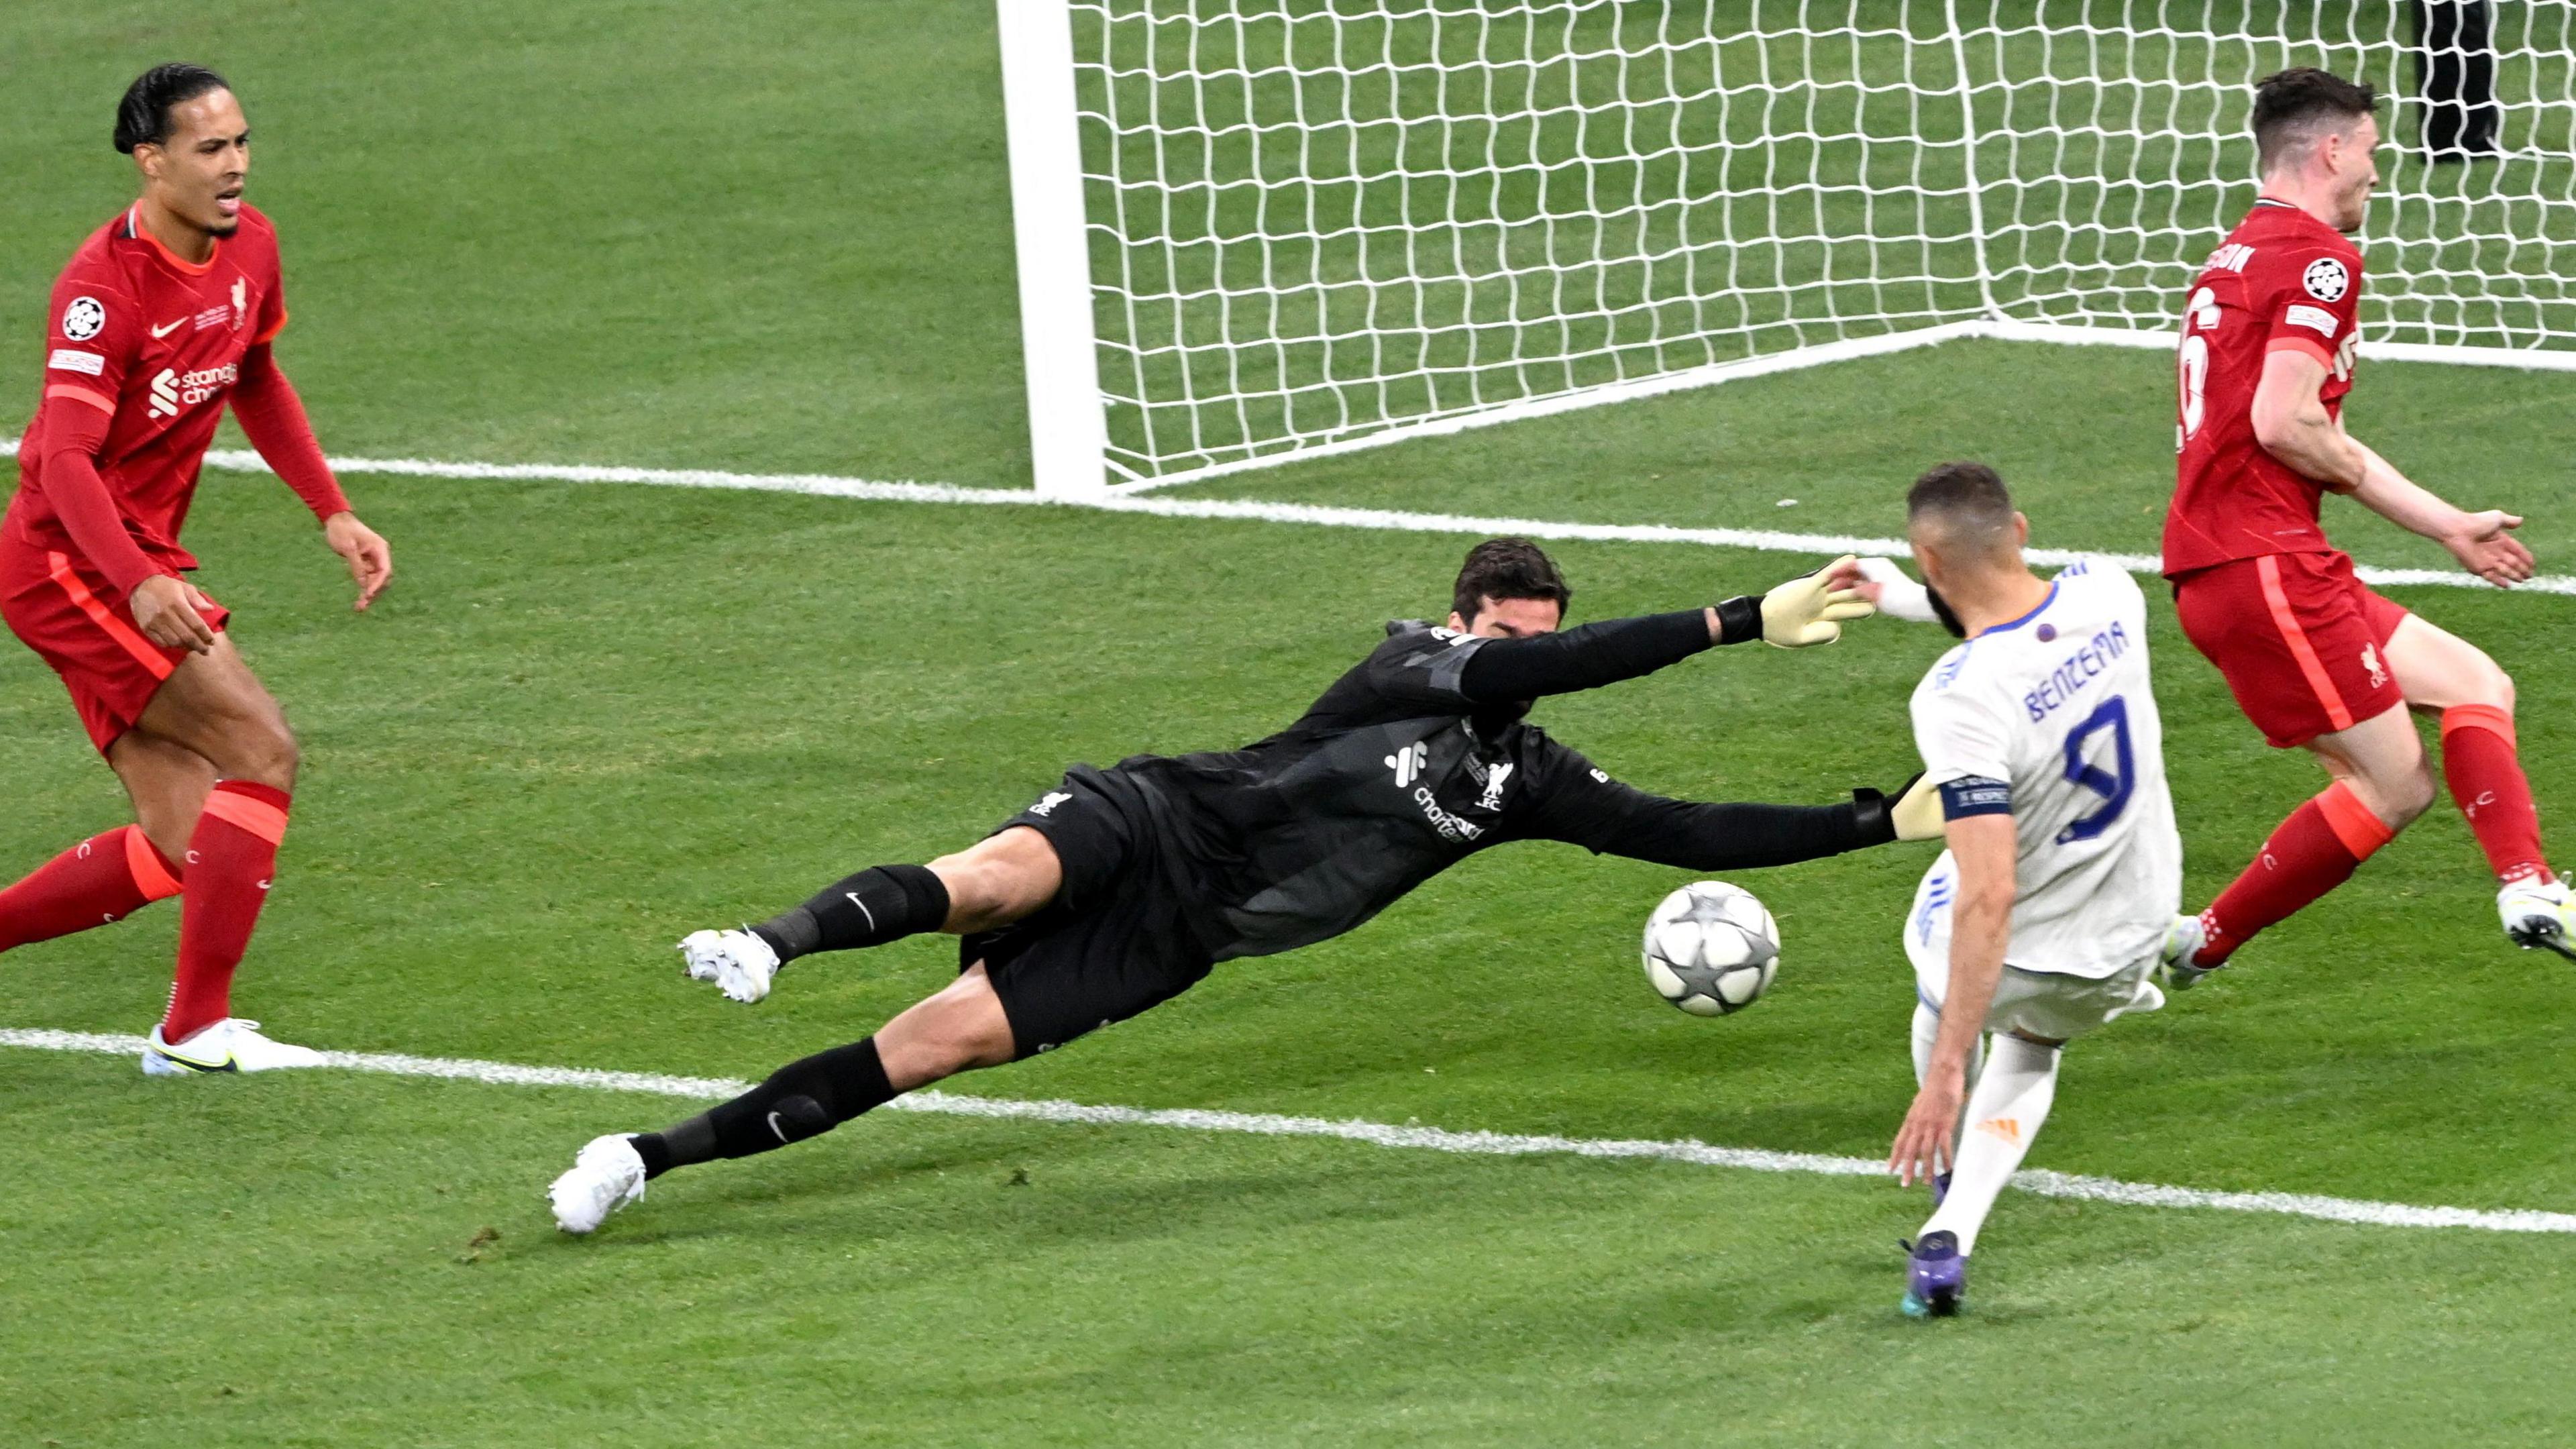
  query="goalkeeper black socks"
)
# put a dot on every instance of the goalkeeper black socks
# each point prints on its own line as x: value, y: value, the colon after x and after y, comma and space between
x: 801, y: 1099
x: 880, y: 904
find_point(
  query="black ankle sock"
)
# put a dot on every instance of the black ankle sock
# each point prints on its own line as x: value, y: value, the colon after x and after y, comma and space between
x: 801, y: 1099
x: 880, y: 904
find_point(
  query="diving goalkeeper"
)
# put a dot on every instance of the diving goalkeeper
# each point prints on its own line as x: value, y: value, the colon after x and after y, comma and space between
x: 1120, y: 888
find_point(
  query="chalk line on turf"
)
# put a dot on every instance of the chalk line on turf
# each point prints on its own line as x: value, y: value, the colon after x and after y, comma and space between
x: 1413, y: 1138
x: 1252, y: 510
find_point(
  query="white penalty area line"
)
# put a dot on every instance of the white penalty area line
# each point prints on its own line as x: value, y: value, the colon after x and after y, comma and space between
x: 828, y: 485
x: 1413, y: 1138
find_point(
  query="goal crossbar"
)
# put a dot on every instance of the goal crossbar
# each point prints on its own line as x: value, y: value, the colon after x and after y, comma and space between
x: 1252, y: 231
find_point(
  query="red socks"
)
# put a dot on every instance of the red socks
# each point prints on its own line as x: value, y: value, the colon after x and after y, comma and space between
x: 231, y: 856
x: 2480, y: 764
x: 2318, y: 848
x: 2325, y: 840
x: 104, y: 878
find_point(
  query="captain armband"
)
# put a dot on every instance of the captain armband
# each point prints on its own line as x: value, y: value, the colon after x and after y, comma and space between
x: 1975, y: 795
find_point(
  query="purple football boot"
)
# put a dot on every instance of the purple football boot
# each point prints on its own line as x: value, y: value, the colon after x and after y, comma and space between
x: 1936, y: 1278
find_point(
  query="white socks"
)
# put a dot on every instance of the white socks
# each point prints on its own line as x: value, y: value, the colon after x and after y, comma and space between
x: 2005, y: 1111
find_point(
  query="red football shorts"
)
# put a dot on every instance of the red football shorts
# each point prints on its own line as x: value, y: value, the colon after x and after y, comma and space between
x: 60, y: 608
x: 2302, y: 641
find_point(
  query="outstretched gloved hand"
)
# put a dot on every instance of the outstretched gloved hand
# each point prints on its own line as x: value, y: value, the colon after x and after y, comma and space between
x: 1811, y: 610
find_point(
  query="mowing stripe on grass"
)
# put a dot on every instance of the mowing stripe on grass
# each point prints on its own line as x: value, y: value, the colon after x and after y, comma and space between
x: 1253, y: 510
x: 1379, y: 1134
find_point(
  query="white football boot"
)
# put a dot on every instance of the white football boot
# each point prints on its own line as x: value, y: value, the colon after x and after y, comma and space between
x: 2538, y: 912
x: 230, y: 1045
x: 2183, y: 940
x: 738, y: 962
x: 606, y: 1175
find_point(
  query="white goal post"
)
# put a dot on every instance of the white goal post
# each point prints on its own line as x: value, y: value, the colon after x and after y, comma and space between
x: 1251, y: 231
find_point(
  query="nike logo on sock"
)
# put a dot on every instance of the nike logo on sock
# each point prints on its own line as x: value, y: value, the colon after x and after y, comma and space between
x: 777, y: 1131
x: 863, y: 910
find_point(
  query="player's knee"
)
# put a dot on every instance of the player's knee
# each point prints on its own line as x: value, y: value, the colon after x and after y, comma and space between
x: 2395, y: 795
x: 962, y: 1043
x: 919, y: 1058
x: 2410, y: 795
x: 996, y: 883
x: 265, y: 753
x: 2475, y: 678
x: 2499, y: 687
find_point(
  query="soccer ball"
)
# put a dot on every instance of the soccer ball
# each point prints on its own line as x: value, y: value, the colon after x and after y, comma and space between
x: 1711, y: 948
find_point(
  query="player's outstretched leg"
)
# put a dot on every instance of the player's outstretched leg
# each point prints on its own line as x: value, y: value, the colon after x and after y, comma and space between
x: 879, y: 905
x: 103, y: 879
x: 2380, y: 786
x: 2011, y: 1100
x: 1000, y: 879
x: 2444, y: 675
x: 959, y: 1028
x: 110, y: 876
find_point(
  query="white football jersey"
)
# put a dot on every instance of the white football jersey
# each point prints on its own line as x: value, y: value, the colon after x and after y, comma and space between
x: 2051, y: 717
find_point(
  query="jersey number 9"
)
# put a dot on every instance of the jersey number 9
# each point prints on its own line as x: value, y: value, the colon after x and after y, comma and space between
x: 2113, y: 785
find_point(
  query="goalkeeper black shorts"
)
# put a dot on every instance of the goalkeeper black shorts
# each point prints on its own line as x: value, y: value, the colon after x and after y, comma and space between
x: 1114, y: 942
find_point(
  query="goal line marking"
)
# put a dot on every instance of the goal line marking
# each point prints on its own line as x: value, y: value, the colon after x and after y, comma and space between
x: 1414, y: 1138
x: 829, y: 485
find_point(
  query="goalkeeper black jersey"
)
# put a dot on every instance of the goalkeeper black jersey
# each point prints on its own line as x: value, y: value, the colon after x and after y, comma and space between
x: 1409, y: 764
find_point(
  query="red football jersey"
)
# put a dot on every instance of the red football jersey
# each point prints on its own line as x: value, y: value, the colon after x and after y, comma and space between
x: 2283, y: 279
x: 157, y: 344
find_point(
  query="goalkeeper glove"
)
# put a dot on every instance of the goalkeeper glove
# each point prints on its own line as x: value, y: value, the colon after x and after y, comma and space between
x: 1809, y: 610
x: 1917, y: 811
x: 1912, y: 813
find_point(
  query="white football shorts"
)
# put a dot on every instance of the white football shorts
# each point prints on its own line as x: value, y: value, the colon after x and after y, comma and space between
x: 2049, y: 1005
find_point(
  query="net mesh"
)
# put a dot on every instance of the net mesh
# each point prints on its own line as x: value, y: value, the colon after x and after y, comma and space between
x: 1314, y: 220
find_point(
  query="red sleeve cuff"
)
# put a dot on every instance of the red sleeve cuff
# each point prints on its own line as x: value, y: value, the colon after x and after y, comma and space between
x: 2295, y: 343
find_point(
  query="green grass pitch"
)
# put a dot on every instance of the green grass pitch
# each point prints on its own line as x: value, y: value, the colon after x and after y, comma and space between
x: 774, y: 237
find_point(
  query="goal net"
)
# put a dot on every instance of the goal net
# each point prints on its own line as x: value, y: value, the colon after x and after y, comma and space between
x: 1257, y: 230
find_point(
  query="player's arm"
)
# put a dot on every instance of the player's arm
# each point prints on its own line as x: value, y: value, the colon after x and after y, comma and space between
x: 1807, y: 610
x: 2292, y: 424
x: 273, y: 417
x: 1984, y: 847
x: 2291, y: 421
x: 164, y: 605
x: 1895, y: 592
x: 96, y: 338
x: 1581, y: 805
x: 2483, y: 542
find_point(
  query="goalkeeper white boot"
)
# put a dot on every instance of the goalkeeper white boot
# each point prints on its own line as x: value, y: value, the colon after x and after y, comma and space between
x: 230, y: 1045
x: 738, y: 962
x: 606, y: 1175
x: 2538, y: 913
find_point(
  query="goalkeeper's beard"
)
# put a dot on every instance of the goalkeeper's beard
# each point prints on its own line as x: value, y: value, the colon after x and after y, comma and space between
x: 1941, y: 611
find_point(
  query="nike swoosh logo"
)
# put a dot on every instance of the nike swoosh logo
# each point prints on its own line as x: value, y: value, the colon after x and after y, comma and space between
x: 160, y: 332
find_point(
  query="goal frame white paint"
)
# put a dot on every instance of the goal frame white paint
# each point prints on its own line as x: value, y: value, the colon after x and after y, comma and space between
x: 1070, y: 441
